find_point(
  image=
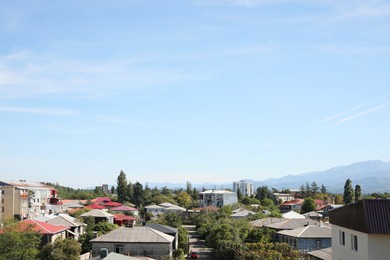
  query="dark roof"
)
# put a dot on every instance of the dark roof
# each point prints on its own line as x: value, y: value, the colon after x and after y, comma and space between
x: 367, y: 216
x: 162, y: 228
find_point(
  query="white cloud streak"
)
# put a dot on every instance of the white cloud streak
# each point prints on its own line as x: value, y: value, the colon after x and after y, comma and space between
x: 39, y: 111
x: 366, y: 112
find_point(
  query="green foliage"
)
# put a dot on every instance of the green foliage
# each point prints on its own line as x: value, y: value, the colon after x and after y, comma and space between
x: 121, y: 186
x: 70, y: 193
x: 103, y: 227
x: 179, y: 254
x: 138, y: 194
x: 184, y: 199
x: 348, y: 195
x: 269, y: 251
x: 308, y: 205
x: 358, y: 193
x: 170, y: 219
x: 183, y: 239
x: 17, y: 243
x: 61, y: 249
x: 84, y: 239
x: 249, y: 200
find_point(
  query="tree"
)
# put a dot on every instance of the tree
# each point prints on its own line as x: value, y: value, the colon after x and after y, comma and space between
x: 307, y: 190
x: 138, y: 194
x: 358, y: 193
x: 183, y: 239
x: 239, y: 194
x: 122, y: 186
x: 308, y: 205
x: 323, y: 189
x: 302, y: 190
x: 348, y: 195
x: 184, y: 199
x: 314, y: 187
x: 17, y: 242
x: 130, y: 191
x: 338, y: 199
x: 112, y: 190
x: 262, y: 193
x: 189, y: 188
x: 62, y: 249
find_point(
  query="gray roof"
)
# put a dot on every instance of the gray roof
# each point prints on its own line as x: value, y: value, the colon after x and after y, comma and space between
x: 308, y: 232
x: 217, y: 192
x: 97, y: 213
x: 162, y: 228
x: 135, y: 235
x: 243, y: 214
x: 154, y: 207
x: 175, y: 207
x: 292, y: 223
x: 324, y: 254
x: 67, y: 221
x: 265, y: 221
x: 115, y: 256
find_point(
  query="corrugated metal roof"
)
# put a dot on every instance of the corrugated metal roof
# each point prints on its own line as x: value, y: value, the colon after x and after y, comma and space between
x: 309, y: 232
x: 135, y: 235
x: 324, y: 254
x: 368, y: 216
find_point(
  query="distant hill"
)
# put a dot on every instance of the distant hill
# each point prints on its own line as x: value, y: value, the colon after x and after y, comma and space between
x: 372, y: 176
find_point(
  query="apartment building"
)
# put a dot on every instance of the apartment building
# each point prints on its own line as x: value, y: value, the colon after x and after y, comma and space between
x: 246, y: 188
x: 22, y: 200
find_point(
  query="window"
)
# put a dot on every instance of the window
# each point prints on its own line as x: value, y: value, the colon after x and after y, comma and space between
x: 2, y: 209
x: 342, y: 237
x: 119, y: 249
x: 354, y: 241
x: 318, y: 244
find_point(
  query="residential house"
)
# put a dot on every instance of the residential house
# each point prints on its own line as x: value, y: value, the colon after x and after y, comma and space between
x: 313, y: 215
x: 321, y: 254
x: 281, y: 197
x: 309, y: 238
x: 127, y: 210
x: 265, y: 221
x: 22, y: 200
x: 154, y: 209
x: 76, y: 228
x: 217, y: 198
x: 245, y: 187
x: 105, y: 255
x: 174, y: 209
x: 292, y: 214
x: 48, y: 231
x: 325, y: 210
x: 361, y: 230
x: 99, y: 215
x: 291, y: 205
x: 242, y: 214
x: 136, y: 241
x: 167, y: 230
x: 124, y: 220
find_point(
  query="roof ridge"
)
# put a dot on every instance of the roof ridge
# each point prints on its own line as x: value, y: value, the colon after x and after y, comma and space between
x: 304, y: 229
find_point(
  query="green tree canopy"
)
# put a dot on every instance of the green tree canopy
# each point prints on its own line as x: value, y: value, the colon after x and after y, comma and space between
x: 348, y: 195
x: 308, y: 205
x: 62, y: 249
x: 121, y: 186
x: 17, y: 242
x: 358, y: 193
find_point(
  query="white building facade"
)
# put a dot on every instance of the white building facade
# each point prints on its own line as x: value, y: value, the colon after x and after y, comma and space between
x: 246, y: 188
x: 217, y: 198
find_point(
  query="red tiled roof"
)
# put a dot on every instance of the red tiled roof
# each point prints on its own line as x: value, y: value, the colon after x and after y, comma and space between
x: 42, y: 227
x: 319, y: 202
x: 123, y: 217
x: 112, y: 204
x: 101, y: 200
x: 94, y: 206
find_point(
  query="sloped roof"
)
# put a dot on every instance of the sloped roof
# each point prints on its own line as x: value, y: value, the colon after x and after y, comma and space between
x: 292, y: 214
x: 265, y: 221
x: 124, y: 217
x: 243, y: 213
x: 124, y: 208
x: 325, y: 253
x: 292, y: 224
x: 217, y: 192
x: 112, y: 204
x: 175, y: 207
x: 367, y: 216
x: 135, y: 235
x: 293, y: 202
x: 312, y: 214
x: 101, y: 200
x: 42, y: 227
x: 95, y: 206
x: 154, y: 207
x: 166, y: 204
x: 65, y: 221
x: 25, y: 185
x: 162, y: 228
x: 116, y: 256
x: 97, y: 213
x: 308, y: 232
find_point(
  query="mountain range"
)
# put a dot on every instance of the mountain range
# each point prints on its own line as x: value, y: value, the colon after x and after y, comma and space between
x: 372, y: 176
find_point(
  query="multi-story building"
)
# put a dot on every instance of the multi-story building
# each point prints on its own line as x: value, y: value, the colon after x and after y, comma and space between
x: 246, y: 188
x: 22, y: 200
x: 217, y: 198
x: 361, y: 230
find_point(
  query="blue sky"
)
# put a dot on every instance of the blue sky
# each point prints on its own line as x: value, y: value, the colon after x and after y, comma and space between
x: 201, y: 90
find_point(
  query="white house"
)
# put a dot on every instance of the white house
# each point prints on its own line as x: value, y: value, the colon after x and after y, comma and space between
x: 361, y: 231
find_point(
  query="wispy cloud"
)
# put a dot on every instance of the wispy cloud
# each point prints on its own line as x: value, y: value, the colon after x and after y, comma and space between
x: 352, y: 113
x: 40, y: 111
